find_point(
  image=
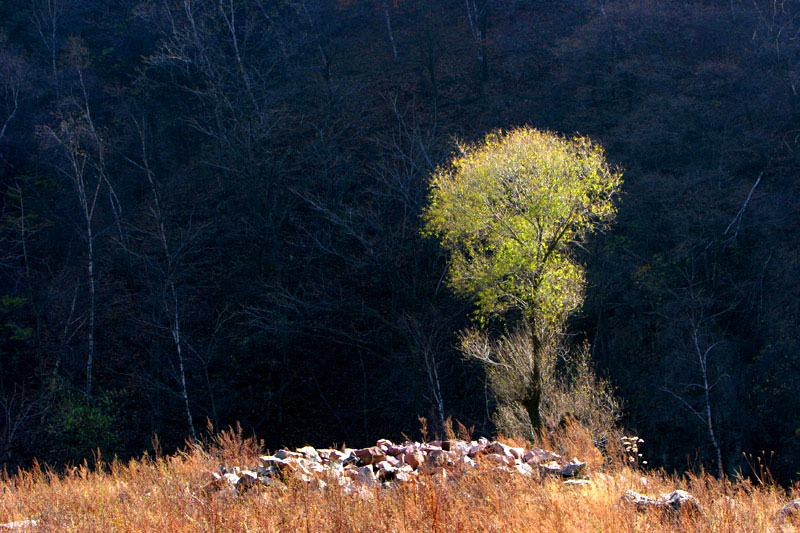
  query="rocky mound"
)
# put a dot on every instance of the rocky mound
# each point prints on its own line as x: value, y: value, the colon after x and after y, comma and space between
x: 387, y: 464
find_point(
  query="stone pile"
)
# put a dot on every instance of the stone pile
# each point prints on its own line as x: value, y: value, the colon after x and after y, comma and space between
x: 675, y: 501
x: 388, y: 464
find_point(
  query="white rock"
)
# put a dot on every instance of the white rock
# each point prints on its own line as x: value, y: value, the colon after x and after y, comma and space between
x: 498, y: 459
x: 524, y: 469
x: 309, y: 452
x: 577, y: 483
x: 22, y: 525
x: 285, y: 454
x: 467, y: 461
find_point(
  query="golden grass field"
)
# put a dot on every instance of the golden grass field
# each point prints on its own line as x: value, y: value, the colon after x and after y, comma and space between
x: 162, y: 494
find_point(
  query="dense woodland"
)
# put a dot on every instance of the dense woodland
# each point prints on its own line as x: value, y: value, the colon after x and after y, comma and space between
x: 211, y: 213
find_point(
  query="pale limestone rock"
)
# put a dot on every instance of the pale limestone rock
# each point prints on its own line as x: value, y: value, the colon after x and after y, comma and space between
x: 466, y: 461
x: 247, y: 481
x: 310, y: 453
x: 577, y: 483
x: 403, y: 477
x: 366, y: 476
x: 270, y: 463
x: 285, y: 454
x: 500, y: 449
x: 21, y: 525
x: 440, y: 458
x: 231, y: 478
x: 498, y: 459
x: 678, y: 500
x: 524, y: 469
x: 517, y: 453
x: 460, y: 447
x: 573, y: 468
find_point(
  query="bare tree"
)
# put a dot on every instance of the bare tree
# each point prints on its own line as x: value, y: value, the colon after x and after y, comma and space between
x: 69, y: 136
x: 167, y: 266
x: 83, y: 149
x: 477, y: 15
x: 46, y: 15
x: 701, y: 349
x: 388, y: 20
x: 12, y: 71
x: 17, y: 409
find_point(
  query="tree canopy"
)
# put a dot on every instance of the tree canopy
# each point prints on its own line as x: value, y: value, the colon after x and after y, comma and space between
x: 509, y: 209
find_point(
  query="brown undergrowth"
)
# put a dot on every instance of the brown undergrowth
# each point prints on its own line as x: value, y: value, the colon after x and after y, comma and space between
x: 163, y: 494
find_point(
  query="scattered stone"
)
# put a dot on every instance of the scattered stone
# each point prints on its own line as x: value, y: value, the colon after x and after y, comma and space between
x: 246, y: 481
x: 550, y: 468
x: 790, y: 509
x: 386, y: 471
x: 22, y: 525
x: 467, y: 461
x: 678, y: 500
x: 577, y: 483
x: 231, y: 478
x: 329, y: 454
x: 372, y: 455
x: 500, y: 449
x: 524, y: 469
x: 310, y: 453
x: 285, y: 454
x: 573, y: 468
x: 413, y: 458
x: 440, y: 458
x: 538, y: 455
x: 403, y: 477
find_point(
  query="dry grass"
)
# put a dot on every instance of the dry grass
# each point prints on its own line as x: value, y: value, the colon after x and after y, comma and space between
x: 163, y: 495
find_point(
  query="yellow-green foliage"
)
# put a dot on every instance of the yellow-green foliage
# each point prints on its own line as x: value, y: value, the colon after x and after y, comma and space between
x: 508, y: 209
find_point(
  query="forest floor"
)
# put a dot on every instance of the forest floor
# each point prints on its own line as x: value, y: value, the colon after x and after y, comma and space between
x: 164, y: 494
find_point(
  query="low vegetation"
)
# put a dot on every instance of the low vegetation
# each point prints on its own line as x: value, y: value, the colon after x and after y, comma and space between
x: 163, y: 493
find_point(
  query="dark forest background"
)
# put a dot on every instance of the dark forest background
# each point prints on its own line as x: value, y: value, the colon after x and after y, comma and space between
x: 210, y: 212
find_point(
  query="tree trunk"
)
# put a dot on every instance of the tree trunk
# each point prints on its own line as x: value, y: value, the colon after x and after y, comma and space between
x: 533, y: 397
x: 90, y: 357
x: 388, y: 21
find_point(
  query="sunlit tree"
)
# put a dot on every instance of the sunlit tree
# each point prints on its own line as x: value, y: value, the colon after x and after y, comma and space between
x: 510, y: 211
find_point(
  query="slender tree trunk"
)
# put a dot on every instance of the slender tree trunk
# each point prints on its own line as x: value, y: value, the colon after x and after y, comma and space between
x: 176, y: 336
x: 388, y: 20
x: 711, y: 429
x: 533, y: 397
x: 478, y: 21
x: 172, y: 307
x: 482, y: 27
x: 90, y: 357
x: 436, y: 390
x: 703, y: 363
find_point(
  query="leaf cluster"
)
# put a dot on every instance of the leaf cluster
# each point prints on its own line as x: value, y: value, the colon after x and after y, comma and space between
x: 510, y: 209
